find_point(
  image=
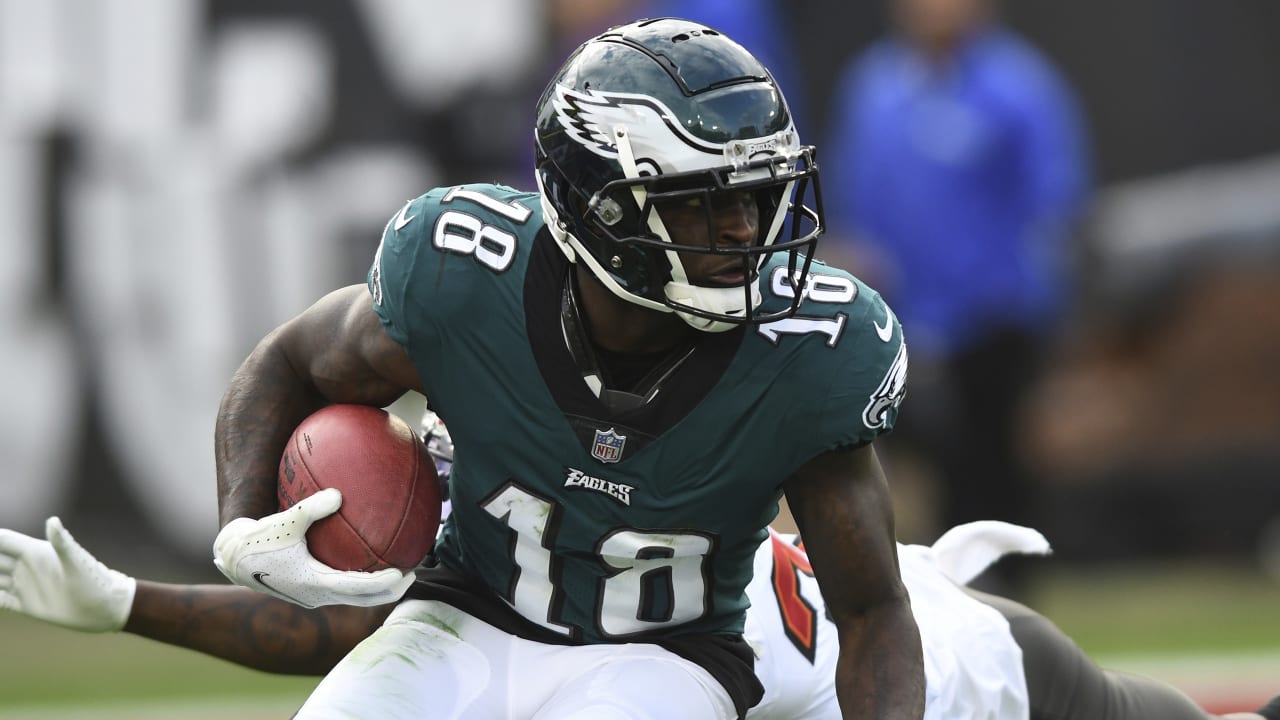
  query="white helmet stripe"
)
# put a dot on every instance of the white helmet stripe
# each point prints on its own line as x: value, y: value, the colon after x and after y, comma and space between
x: 626, y: 158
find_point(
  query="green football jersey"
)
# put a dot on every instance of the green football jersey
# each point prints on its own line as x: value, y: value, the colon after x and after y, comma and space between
x: 601, y: 524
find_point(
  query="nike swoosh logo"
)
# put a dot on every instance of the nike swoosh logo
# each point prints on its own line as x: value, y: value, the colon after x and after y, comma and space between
x: 259, y: 577
x: 401, y: 219
x: 886, y: 332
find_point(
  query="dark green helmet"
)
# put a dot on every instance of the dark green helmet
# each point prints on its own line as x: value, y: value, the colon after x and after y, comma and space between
x: 663, y: 110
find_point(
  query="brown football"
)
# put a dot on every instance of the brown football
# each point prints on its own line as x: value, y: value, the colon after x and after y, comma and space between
x: 390, y: 495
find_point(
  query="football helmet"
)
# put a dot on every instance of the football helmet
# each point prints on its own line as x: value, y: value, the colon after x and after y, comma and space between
x: 672, y: 111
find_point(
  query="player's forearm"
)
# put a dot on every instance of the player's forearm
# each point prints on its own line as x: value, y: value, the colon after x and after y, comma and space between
x: 880, y: 672
x: 264, y: 401
x: 248, y: 628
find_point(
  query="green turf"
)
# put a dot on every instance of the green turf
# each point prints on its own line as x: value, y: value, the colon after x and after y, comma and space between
x: 41, y: 664
x: 1176, y: 608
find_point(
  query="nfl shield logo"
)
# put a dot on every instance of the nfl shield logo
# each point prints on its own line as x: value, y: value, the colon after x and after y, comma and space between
x: 608, y: 446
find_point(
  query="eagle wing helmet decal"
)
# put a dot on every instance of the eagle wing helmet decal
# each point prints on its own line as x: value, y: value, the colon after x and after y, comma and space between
x: 591, y: 117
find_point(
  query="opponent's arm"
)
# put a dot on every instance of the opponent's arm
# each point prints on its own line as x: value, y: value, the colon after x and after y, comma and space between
x: 841, y: 504
x: 335, y: 351
x: 59, y: 582
x: 249, y: 628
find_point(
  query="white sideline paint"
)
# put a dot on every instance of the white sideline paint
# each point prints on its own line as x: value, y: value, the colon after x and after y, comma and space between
x: 1218, y: 681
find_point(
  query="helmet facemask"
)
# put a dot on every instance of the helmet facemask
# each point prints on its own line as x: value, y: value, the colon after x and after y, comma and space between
x: 769, y: 183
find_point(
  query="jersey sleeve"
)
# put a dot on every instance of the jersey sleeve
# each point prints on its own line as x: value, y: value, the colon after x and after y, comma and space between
x: 444, y: 257
x: 837, y: 365
x: 398, y: 256
x: 865, y: 392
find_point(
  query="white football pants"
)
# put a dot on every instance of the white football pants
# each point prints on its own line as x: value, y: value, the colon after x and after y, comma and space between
x: 432, y: 661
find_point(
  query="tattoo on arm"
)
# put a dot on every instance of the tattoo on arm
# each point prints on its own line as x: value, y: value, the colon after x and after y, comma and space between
x: 252, y: 429
x: 336, y: 351
x: 248, y: 628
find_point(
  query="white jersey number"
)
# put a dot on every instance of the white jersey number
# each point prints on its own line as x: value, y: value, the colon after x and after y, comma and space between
x: 463, y: 233
x: 818, y: 288
x: 659, y: 579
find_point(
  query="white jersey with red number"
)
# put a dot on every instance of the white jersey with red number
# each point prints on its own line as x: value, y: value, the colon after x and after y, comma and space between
x: 973, y: 667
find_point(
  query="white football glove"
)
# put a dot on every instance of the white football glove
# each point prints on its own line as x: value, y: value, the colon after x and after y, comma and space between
x: 59, y: 582
x: 270, y: 555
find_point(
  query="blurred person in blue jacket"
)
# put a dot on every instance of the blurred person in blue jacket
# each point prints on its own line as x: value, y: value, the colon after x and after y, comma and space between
x: 958, y: 166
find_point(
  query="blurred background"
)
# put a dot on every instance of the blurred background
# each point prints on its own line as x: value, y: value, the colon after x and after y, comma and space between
x: 177, y: 178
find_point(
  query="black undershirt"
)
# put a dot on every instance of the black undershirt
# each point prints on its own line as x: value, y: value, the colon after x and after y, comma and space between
x: 626, y: 370
x: 681, y: 392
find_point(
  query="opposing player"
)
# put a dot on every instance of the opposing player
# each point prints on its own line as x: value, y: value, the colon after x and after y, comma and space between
x: 985, y: 657
x: 636, y: 362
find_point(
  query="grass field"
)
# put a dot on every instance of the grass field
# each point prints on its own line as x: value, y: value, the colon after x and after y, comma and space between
x: 1212, y: 629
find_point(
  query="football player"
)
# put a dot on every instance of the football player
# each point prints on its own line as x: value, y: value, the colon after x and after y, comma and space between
x: 636, y: 361
x: 985, y: 657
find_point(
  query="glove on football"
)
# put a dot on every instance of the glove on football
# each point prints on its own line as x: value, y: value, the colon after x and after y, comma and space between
x: 60, y: 582
x: 270, y: 555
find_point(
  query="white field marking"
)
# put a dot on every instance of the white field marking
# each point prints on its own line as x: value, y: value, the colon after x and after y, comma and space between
x: 1219, y: 667
x: 1224, y: 679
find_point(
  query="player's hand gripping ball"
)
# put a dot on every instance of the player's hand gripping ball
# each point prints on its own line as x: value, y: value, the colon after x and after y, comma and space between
x: 390, y: 494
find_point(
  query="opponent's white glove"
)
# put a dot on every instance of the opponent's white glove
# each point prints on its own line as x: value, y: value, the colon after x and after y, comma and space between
x: 59, y: 582
x: 270, y: 555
